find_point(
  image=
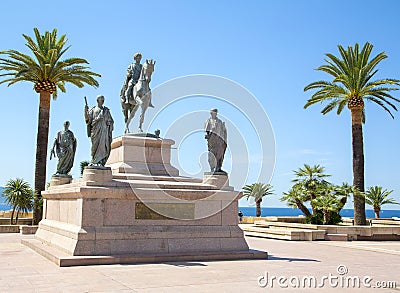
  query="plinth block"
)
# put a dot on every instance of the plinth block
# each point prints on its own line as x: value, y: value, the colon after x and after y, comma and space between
x: 99, y: 175
x: 142, y: 155
x: 218, y: 179
x: 60, y: 180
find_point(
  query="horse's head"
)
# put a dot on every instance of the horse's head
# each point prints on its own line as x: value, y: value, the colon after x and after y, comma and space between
x: 148, y: 69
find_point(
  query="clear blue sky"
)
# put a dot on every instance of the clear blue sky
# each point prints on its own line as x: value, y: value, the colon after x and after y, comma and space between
x: 269, y: 47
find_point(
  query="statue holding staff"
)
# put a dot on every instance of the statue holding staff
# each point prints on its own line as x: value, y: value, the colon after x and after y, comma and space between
x: 100, y: 126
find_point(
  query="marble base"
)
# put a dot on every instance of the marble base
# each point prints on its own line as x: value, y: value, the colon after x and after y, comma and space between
x: 112, y: 216
x: 106, y: 217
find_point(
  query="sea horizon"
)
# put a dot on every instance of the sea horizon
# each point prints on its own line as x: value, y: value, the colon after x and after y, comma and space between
x: 274, y: 211
x: 285, y: 211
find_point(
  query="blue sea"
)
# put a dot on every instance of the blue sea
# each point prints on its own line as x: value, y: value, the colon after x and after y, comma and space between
x: 265, y: 212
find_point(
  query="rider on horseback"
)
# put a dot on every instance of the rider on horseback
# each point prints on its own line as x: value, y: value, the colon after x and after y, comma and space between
x: 132, y: 77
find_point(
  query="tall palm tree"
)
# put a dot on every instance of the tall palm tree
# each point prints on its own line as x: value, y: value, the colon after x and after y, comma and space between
x: 351, y: 85
x: 376, y: 197
x: 48, y: 73
x: 310, y: 177
x: 18, y: 194
x: 257, y: 191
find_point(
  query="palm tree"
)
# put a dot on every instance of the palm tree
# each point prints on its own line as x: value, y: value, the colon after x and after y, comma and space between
x: 24, y: 204
x: 19, y: 195
x: 295, y: 198
x: 83, y: 165
x: 310, y: 177
x: 343, y: 192
x: 352, y: 84
x: 48, y: 73
x: 326, y: 204
x: 257, y: 191
x: 376, y: 197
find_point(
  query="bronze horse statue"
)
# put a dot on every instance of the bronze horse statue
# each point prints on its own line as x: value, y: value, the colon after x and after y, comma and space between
x: 140, y: 96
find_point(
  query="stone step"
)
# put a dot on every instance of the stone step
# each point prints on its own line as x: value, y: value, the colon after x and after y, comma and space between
x: 21, y: 221
x: 294, y: 234
x: 269, y: 224
x: 9, y: 228
x: 155, y: 178
x: 149, y: 192
x: 25, y: 229
x: 62, y: 259
x: 266, y: 230
x: 336, y: 237
x: 385, y: 222
x: 187, y: 185
x: 264, y: 235
x: 145, y: 181
x: 166, y: 184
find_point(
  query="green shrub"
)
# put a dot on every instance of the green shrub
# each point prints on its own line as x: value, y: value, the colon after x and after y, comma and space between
x: 318, y: 218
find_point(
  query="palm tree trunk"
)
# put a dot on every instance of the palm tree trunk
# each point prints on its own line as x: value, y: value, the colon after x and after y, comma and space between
x: 313, y: 209
x: 16, y: 217
x: 12, y: 216
x: 358, y: 166
x: 377, y: 212
x: 326, y: 217
x: 258, y: 208
x: 302, y: 207
x: 312, y: 195
x: 343, y: 202
x: 41, y: 153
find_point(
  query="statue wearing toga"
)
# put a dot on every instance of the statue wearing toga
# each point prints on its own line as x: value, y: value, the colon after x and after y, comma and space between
x: 64, y: 148
x: 216, y: 136
x: 100, y: 126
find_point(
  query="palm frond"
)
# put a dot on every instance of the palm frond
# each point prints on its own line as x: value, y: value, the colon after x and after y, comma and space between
x: 352, y: 76
x: 46, y: 63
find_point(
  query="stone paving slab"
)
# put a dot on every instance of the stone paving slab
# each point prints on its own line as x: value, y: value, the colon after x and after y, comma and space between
x: 22, y: 270
x: 389, y: 247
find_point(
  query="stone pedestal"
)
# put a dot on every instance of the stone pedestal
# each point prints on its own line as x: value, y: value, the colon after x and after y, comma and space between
x: 219, y: 180
x: 131, y: 216
x: 60, y: 180
x: 141, y: 155
x: 97, y: 176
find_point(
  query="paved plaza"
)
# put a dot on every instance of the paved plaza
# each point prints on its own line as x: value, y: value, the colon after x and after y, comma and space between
x: 22, y: 270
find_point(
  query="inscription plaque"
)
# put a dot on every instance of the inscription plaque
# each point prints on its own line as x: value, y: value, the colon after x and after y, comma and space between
x: 164, y: 211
